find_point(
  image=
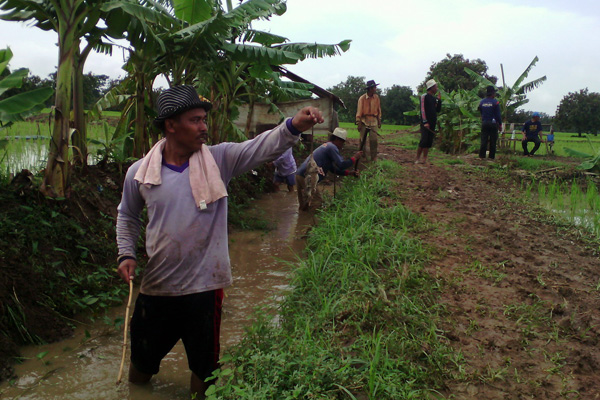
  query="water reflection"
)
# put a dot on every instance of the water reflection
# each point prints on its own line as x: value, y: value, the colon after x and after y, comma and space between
x: 88, y: 370
x: 31, y: 153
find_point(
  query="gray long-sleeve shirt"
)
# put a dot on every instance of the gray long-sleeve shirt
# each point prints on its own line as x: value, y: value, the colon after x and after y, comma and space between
x: 188, y: 247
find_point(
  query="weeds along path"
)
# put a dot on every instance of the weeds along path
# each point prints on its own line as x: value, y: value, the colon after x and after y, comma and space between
x: 521, y: 289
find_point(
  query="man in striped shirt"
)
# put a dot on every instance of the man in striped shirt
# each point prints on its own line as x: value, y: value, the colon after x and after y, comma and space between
x: 430, y: 106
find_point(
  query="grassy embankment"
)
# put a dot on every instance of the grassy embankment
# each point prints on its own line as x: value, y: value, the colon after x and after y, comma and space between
x: 361, y: 317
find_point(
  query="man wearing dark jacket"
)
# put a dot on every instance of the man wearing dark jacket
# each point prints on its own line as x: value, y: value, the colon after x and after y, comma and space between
x: 430, y: 106
x: 491, y: 121
x: 532, y: 132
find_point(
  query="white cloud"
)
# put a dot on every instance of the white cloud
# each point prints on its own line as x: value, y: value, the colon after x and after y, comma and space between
x: 395, y: 42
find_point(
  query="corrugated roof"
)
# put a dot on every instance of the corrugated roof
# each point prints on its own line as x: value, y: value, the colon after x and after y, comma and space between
x: 319, y: 91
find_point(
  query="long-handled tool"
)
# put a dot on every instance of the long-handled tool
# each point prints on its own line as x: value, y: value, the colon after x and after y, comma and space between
x: 125, y: 331
x: 361, y: 146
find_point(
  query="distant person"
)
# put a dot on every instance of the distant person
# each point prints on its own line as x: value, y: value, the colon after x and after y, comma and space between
x: 532, y: 132
x: 327, y: 158
x: 550, y: 141
x: 285, y: 170
x: 368, y: 119
x: 430, y: 106
x: 182, y: 184
x: 491, y: 122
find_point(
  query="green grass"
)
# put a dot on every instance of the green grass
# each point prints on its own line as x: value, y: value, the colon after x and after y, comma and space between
x: 535, y: 164
x: 361, y: 318
x: 385, y: 129
x: 562, y: 140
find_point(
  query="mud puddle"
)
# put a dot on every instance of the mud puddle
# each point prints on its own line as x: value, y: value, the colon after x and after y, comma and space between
x: 86, y: 366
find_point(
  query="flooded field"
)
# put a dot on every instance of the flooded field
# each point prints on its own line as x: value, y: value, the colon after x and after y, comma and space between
x: 86, y: 365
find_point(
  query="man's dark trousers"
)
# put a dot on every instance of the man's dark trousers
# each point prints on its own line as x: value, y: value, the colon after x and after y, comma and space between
x: 489, y: 134
x: 534, y: 139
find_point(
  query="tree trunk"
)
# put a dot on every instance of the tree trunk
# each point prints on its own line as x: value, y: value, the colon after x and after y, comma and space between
x: 154, y: 134
x: 79, y: 121
x: 56, y: 178
x: 249, y: 118
x: 140, y: 138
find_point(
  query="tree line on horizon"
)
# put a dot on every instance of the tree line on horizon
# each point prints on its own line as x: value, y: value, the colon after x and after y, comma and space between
x: 577, y: 112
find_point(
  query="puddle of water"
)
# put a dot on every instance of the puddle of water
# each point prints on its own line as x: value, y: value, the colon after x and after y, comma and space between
x: 89, y: 370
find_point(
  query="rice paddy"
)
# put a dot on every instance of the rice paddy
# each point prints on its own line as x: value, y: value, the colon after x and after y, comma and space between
x: 569, y: 202
x: 24, y: 145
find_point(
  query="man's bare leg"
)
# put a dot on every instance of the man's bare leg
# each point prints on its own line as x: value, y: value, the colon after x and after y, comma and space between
x: 425, y: 153
x: 419, y: 151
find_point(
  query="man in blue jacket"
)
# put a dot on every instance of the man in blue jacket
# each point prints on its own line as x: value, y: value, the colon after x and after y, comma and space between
x: 491, y: 121
x: 532, y: 132
x: 328, y: 158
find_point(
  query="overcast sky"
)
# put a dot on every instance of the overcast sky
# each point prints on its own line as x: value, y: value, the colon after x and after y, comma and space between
x: 395, y: 42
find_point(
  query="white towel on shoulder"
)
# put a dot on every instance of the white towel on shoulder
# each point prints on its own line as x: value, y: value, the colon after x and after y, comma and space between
x: 205, y: 176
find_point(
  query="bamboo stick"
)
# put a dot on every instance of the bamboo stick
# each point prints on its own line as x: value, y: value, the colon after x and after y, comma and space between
x: 125, y: 331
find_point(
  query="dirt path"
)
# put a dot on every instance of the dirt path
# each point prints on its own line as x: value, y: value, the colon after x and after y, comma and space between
x: 521, y: 292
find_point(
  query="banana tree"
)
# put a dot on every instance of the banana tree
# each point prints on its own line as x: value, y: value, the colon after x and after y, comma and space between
x: 458, y: 120
x: 94, y: 41
x: 16, y: 107
x: 147, y: 25
x: 234, y: 63
x: 511, y: 97
x: 71, y: 20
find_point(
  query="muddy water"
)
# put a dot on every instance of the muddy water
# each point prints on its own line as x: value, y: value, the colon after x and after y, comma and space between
x: 86, y: 366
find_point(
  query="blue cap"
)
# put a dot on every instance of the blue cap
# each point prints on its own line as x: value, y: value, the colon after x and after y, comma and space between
x: 536, y: 114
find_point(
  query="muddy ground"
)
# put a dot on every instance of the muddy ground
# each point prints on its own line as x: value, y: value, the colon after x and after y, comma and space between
x: 520, y: 288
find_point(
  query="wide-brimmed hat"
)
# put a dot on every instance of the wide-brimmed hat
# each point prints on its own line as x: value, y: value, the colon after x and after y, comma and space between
x: 177, y: 100
x: 371, y: 84
x: 430, y: 83
x: 340, y: 133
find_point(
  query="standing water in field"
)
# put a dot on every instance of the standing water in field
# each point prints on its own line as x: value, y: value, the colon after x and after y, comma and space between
x: 86, y: 366
x: 569, y: 202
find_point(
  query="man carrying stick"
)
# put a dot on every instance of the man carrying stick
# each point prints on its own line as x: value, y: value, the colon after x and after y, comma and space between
x: 368, y: 118
x: 182, y: 182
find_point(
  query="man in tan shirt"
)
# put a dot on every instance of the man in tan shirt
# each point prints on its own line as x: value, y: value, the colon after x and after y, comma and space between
x: 368, y: 119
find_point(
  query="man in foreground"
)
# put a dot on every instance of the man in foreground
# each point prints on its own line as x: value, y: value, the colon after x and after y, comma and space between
x: 429, y: 107
x: 532, y: 132
x: 491, y: 122
x: 182, y: 183
x: 327, y: 158
x: 368, y: 118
